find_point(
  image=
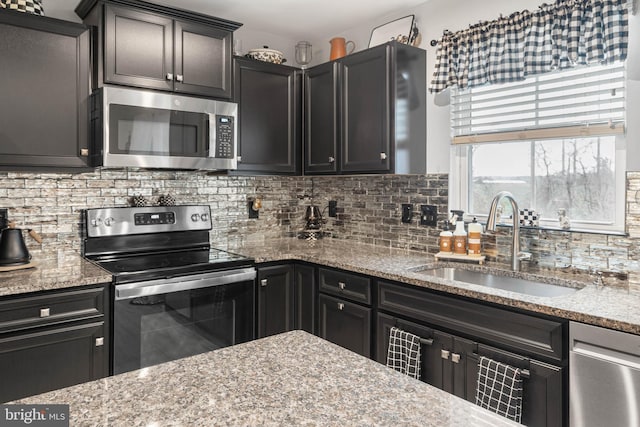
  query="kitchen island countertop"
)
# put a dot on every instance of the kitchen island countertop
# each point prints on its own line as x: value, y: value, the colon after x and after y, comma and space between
x: 293, y: 378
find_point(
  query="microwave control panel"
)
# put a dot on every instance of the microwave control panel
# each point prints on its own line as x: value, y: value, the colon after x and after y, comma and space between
x: 225, y: 147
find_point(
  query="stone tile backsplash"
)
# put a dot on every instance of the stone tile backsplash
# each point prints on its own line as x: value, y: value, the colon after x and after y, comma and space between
x: 368, y: 212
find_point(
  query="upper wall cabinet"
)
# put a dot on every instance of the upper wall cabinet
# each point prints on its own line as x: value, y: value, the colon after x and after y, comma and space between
x: 366, y: 112
x: 269, y: 117
x: 151, y: 46
x: 44, y: 92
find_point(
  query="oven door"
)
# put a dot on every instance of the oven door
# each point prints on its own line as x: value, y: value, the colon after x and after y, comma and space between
x: 161, y: 320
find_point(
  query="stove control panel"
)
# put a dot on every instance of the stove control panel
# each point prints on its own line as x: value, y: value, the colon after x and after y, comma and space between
x: 153, y: 219
x: 150, y: 218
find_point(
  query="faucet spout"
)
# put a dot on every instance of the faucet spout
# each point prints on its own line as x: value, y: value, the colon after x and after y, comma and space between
x: 516, y: 255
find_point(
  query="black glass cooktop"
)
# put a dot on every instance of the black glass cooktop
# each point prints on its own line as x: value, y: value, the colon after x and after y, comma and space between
x: 170, y: 264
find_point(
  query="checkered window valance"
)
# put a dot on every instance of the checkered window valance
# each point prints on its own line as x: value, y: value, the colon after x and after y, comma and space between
x: 557, y: 36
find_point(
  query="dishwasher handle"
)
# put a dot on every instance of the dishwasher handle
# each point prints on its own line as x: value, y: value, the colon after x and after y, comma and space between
x: 183, y: 283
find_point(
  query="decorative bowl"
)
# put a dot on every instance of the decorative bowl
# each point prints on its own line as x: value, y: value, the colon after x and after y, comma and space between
x: 267, y: 55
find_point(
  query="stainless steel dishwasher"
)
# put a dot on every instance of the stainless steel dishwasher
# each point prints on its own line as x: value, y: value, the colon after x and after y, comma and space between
x: 604, y: 377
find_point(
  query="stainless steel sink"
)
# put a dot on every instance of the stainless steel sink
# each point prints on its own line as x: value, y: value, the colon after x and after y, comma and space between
x: 513, y: 284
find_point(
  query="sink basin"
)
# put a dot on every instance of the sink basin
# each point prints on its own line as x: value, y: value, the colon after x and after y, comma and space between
x: 513, y: 284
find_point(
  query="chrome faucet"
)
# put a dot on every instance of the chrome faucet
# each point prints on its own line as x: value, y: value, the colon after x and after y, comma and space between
x: 516, y: 255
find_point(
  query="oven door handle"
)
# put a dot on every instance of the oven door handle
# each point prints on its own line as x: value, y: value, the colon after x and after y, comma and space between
x: 183, y: 283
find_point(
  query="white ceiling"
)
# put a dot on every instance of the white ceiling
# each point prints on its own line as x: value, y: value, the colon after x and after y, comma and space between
x: 294, y: 19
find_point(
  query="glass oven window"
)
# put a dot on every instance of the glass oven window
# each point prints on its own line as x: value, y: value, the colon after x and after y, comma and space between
x: 158, y: 328
x: 159, y: 132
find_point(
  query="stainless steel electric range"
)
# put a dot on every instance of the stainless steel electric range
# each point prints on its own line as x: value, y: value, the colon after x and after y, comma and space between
x: 173, y: 294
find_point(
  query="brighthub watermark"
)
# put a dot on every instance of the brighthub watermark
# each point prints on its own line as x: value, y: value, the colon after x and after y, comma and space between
x: 34, y: 415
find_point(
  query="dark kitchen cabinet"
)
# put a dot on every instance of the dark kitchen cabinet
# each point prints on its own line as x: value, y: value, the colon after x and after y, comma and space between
x: 275, y: 300
x: 44, y: 113
x: 155, y: 47
x: 305, y: 291
x: 321, y: 136
x: 286, y: 298
x: 366, y: 112
x: 457, y: 332
x: 53, y: 340
x: 269, y: 117
x: 344, y: 310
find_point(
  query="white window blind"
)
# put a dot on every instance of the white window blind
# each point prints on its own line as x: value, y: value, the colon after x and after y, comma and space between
x: 578, y: 102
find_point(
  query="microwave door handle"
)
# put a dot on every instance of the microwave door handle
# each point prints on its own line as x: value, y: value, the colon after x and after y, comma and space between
x: 213, y: 137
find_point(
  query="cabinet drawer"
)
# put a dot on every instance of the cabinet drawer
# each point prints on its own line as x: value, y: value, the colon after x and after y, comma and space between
x: 50, y: 308
x: 346, y: 285
x: 519, y: 332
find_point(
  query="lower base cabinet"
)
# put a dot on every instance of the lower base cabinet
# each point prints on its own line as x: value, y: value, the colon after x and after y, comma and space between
x: 344, y: 309
x: 345, y: 323
x: 286, y: 299
x: 450, y: 361
x: 52, y: 340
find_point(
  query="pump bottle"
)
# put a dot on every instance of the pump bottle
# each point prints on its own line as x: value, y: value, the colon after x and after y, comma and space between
x: 460, y: 238
x: 475, y: 238
x: 446, y: 239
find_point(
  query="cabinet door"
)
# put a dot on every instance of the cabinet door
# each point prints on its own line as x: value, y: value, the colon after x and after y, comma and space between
x: 44, y: 113
x: 275, y: 300
x: 305, y: 295
x: 543, y: 400
x: 138, y: 48
x: 321, y: 119
x: 366, y: 111
x: 46, y: 360
x: 202, y: 60
x: 345, y: 324
x: 269, y: 117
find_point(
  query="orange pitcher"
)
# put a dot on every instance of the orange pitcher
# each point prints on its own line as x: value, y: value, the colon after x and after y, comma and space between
x: 339, y: 47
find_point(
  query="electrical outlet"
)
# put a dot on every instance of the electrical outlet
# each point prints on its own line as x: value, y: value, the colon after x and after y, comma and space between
x: 407, y: 212
x: 4, y: 217
x: 333, y: 208
x: 253, y: 213
x: 429, y: 215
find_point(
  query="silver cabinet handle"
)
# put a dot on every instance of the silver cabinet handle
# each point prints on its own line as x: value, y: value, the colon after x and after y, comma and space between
x: 45, y: 312
x: 342, y: 285
x: 169, y: 76
x: 340, y: 306
x: 180, y: 78
x: 455, y: 358
x: 445, y: 354
x: 383, y: 156
x: 332, y: 159
x: 84, y: 151
x: 263, y: 282
x: 239, y: 159
x: 99, y: 341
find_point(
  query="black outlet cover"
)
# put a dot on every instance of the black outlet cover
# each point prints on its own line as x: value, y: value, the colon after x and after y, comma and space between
x: 407, y: 212
x: 333, y: 208
x: 429, y: 215
x: 253, y: 214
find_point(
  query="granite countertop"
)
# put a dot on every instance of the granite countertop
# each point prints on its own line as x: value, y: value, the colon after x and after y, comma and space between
x: 293, y: 378
x: 605, y: 306
x: 52, y: 270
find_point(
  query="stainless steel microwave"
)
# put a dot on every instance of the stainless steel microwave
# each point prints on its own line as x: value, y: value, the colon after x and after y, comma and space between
x: 147, y: 129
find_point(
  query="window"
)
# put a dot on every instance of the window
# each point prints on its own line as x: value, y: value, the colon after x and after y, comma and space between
x: 555, y: 141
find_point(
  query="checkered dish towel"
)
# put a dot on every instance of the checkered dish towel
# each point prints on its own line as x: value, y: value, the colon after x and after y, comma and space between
x: 499, y: 388
x: 404, y: 352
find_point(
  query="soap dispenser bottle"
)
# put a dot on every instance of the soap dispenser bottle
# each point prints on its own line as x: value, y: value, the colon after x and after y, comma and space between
x: 475, y: 238
x: 446, y: 239
x: 460, y: 238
